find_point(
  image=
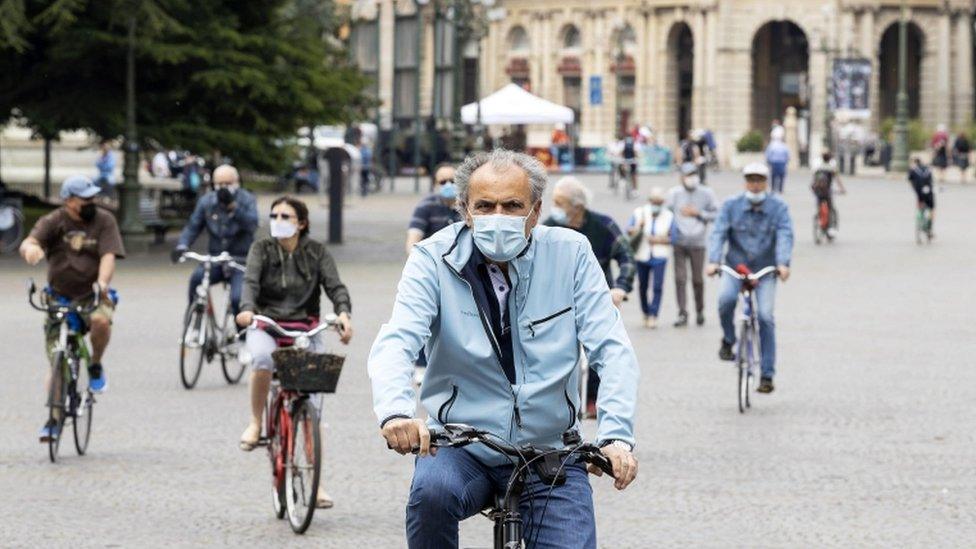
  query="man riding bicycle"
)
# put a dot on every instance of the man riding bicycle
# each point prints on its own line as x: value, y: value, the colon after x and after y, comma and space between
x: 824, y: 179
x: 920, y: 177
x: 501, y: 306
x: 81, y: 243
x: 757, y: 227
x: 230, y: 216
x: 285, y: 276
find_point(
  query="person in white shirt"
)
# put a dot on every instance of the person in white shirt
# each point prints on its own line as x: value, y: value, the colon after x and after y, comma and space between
x: 160, y: 165
x: 651, y: 229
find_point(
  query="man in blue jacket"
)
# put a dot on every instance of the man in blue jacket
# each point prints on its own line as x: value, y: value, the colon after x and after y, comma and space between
x: 230, y: 216
x: 501, y: 306
x: 757, y: 227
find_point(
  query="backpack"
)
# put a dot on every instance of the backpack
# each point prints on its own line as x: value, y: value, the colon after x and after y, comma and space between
x: 822, y: 180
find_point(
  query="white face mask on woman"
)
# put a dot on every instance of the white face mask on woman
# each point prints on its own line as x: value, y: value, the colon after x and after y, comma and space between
x: 283, y: 229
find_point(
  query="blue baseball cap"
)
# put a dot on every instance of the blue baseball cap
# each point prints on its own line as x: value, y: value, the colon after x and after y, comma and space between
x: 80, y: 186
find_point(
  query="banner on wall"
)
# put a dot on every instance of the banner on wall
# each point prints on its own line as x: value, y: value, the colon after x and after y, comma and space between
x: 850, y: 85
x: 596, y: 90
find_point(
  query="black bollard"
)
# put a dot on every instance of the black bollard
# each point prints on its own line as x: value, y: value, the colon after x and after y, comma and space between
x: 338, y: 158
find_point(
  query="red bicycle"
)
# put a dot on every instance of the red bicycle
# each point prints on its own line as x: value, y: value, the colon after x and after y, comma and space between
x: 291, y: 418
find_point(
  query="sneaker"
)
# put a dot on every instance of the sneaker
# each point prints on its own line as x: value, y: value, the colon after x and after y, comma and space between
x: 682, y: 320
x: 650, y: 322
x: 51, y: 431
x: 765, y: 385
x: 97, y: 381
x: 700, y: 319
x: 725, y: 353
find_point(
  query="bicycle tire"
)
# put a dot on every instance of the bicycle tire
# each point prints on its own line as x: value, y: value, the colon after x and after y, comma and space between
x: 56, y: 398
x: 230, y: 365
x: 190, y: 366
x: 11, y: 237
x: 305, y: 442
x: 81, y: 416
x: 817, y: 238
x: 274, y: 431
x: 743, y: 369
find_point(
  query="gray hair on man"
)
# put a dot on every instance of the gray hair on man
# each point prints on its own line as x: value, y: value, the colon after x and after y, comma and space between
x: 500, y: 159
x: 577, y: 193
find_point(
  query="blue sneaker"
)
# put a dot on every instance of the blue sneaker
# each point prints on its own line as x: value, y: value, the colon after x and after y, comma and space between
x: 97, y: 381
x: 51, y: 431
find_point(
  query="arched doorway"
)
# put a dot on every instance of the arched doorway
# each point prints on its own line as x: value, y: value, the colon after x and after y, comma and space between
x: 780, y: 58
x: 888, y: 71
x: 680, y: 74
x: 624, y: 49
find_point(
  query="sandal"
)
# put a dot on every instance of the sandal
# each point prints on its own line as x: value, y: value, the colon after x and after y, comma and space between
x: 249, y: 438
x: 323, y: 501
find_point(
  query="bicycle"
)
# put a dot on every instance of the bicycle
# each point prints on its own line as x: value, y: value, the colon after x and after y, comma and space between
x: 65, y: 400
x: 748, y: 355
x: 923, y: 225
x: 824, y: 222
x: 548, y: 463
x: 200, y: 328
x: 11, y: 221
x: 291, y: 419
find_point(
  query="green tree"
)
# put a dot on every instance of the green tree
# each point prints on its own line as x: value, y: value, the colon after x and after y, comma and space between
x: 212, y: 75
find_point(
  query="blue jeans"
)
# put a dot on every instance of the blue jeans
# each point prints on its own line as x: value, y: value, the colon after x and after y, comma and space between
x: 217, y: 275
x: 778, y: 174
x: 453, y: 486
x: 644, y: 271
x: 765, y: 301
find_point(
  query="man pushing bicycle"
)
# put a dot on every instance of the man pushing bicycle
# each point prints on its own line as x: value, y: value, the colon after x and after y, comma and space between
x: 81, y: 243
x: 757, y: 227
x: 501, y: 305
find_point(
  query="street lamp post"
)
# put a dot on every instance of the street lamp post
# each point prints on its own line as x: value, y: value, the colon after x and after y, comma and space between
x: 130, y: 223
x: 899, y: 160
x: 417, y: 129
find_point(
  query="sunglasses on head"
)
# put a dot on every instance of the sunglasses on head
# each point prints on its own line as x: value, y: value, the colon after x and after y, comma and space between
x: 286, y: 217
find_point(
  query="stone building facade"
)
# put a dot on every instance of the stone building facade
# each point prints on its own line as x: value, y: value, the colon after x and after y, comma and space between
x: 726, y: 65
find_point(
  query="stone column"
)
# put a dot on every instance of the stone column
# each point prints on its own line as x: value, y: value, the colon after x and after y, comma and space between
x: 963, y: 84
x: 698, y: 107
x: 943, y: 100
x: 385, y: 60
x: 818, y: 100
x: 587, y: 68
x: 427, y: 64
x: 711, y: 90
x: 650, y: 61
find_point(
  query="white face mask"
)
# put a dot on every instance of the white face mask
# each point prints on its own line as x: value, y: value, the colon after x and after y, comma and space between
x: 283, y: 229
x: 500, y: 237
x: 559, y: 215
x: 691, y: 182
x: 755, y: 198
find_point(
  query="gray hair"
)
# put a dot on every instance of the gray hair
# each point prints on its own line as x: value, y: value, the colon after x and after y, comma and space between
x: 500, y: 159
x: 578, y: 194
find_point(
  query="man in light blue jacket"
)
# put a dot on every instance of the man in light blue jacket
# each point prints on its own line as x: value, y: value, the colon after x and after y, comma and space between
x: 501, y: 306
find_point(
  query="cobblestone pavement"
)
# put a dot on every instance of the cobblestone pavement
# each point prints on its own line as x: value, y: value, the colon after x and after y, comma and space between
x: 868, y: 441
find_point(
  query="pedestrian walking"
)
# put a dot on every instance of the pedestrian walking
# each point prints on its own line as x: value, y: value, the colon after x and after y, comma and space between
x: 694, y: 207
x: 940, y: 152
x: 366, y: 165
x: 106, y: 169
x: 651, y: 230
x: 960, y: 155
x: 777, y: 156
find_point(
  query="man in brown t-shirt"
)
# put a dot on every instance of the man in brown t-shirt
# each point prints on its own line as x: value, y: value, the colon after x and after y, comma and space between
x: 81, y: 244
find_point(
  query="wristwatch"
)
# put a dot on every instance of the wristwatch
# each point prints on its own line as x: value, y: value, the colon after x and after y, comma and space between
x: 618, y: 443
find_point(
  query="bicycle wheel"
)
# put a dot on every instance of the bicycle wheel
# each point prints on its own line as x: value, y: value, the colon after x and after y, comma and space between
x: 275, y: 434
x: 192, y: 346
x: 228, y: 347
x: 302, y: 467
x: 56, y: 404
x: 742, y: 365
x: 11, y: 228
x: 82, y: 409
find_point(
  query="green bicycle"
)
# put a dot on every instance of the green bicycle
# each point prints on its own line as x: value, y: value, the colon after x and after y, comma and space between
x: 68, y: 394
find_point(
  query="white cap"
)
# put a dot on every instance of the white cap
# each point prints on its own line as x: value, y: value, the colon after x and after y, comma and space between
x: 755, y: 168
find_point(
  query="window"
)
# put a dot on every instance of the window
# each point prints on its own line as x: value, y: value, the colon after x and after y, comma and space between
x: 571, y: 37
x: 444, y: 69
x: 405, y: 67
x: 363, y: 47
x: 518, y: 41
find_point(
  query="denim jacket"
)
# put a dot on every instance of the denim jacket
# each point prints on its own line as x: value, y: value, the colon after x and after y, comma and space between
x: 558, y: 300
x: 230, y: 231
x: 758, y: 236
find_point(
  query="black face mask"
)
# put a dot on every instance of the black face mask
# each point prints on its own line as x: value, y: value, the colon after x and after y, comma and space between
x: 225, y: 196
x: 87, y: 212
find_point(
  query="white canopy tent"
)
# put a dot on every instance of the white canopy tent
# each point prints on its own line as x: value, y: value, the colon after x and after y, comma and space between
x: 513, y: 105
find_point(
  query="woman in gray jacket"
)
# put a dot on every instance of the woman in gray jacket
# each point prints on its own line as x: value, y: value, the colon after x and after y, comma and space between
x: 284, y: 275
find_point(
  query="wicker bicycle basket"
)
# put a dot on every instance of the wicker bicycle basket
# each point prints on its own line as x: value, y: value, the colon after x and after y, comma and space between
x: 301, y: 370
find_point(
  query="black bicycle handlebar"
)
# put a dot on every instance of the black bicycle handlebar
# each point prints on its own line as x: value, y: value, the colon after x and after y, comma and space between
x: 456, y: 435
x: 56, y: 308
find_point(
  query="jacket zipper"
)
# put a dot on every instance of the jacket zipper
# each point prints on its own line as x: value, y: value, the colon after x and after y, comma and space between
x: 448, y: 404
x: 535, y: 323
x: 495, y: 345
